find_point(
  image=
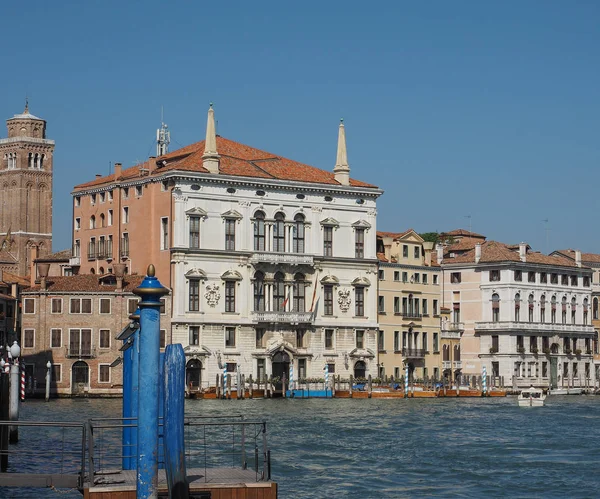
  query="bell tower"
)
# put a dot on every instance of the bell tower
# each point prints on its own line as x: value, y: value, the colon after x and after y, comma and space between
x: 26, y: 192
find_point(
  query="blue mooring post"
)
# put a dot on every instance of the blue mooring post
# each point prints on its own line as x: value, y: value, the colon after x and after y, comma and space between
x: 161, y: 412
x: 126, y: 447
x: 150, y: 292
x: 174, y: 444
x: 135, y: 390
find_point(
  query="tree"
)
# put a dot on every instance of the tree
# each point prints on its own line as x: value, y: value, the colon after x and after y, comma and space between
x: 431, y: 237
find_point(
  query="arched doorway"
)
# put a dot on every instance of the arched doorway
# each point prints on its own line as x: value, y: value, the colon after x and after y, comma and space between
x: 360, y: 369
x: 280, y: 366
x: 80, y: 376
x: 193, y: 375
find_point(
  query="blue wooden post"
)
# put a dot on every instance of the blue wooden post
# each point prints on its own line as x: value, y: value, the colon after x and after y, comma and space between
x: 174, y: 389
x: 150, y: 292
x: 126, y: 447
x: 161, y: 412
x: 135, y: 390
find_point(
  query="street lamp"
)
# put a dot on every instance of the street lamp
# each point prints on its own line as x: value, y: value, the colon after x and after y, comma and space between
x: 15, y: 350
x: 48, y: 366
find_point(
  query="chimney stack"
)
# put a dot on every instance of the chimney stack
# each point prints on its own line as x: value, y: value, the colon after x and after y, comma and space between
x: 477, y: 252
x: 119, y: 269
x: 427, y: 249
x: 43, y: 269
x: 117, y: 171
x: 578, y: 258
x: 439, y: 253
x: 523, y: 251
x: 33, y: 254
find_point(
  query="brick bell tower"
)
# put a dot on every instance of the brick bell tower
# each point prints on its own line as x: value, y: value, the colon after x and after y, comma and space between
x: 25, y: 192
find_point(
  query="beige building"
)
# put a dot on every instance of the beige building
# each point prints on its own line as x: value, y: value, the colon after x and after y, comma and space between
x: 408, y: 306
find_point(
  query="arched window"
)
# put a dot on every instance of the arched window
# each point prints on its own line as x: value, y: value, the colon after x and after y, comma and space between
x: 543, y: 308
x: 298, y: 234
x: 595, y: 309
x: 279, y: 233
x: 278, y: 293
x: 259, y: 292
x: 410, y: 306
x: 36, y: 160
x: 585, y: 310
x: 259, y: 231
x: 564, y: 310
x: 495, y: 307
x: 531, y: 303
x: 517, y: 307
x: 92, y: 270
x: 456, y: 353
x: 299, y: 292
x: 101, y: 270
x: 360, y: 370
x: 30, y: 160
x: 553, y: 310
x: 102, y: 220
x: 93, y: 222
x: 446, y: 353
x: 573, y: 309
x: 42, y: 157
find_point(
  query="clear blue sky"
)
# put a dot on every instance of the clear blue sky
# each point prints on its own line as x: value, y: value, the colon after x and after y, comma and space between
x: 488, y: 109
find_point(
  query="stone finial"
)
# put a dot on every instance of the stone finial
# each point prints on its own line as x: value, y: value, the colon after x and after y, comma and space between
x: 210, y: 158
x: 342, y: 169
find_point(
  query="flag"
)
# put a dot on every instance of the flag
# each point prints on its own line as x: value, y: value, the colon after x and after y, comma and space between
x: 285, y: 302
x: 314, y: 294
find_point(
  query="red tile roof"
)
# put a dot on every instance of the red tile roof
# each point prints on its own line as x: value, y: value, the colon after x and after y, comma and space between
x: 59, y: 256
x: 462, y: 232
x: 393, y: 235
x: 381, y: 257
x: 585, y: 257
x: 88, y: 283
x: 237, y: 159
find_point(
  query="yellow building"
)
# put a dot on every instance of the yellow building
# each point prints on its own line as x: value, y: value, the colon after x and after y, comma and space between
x: 408, y: 306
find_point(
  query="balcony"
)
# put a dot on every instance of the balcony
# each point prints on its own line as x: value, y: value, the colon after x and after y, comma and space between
x: 75, y: 260
x: 541, y: 327
x: 288, y: 258
x: 446, y: 364
x: 80, y: 352
x: 457, y: 364
x: 411, y: 315
x: 450, y: 335
x: 283, y: 317
x: 413, y: 353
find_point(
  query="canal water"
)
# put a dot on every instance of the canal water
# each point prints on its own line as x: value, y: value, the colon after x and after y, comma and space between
x: 401, y: 448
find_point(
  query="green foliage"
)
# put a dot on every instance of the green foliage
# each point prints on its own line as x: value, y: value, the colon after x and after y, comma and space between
x: 431, y: 237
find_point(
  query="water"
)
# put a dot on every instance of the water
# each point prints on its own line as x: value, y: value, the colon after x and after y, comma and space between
x: 402, y: 448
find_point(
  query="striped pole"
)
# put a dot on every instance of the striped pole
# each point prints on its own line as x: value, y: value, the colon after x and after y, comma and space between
x: 406, y: 382
x: 291, y: 382
x: 224, y: 379
x: 484, y: 381
x: 326, y: 377
x: 22, y: 380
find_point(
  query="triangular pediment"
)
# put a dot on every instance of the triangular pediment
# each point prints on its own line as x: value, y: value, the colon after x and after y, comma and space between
x: 361, y: 224
x: 411, y: 236
x: 330, y: 279
x: 196, y: 273
x: 196, y: 211
x: 232, y: 275
x: 330, y: 222
x: 282, y: 346
x: 232, y: 214
x: 361, y: 281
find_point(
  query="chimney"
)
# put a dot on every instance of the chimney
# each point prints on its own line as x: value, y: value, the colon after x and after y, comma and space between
x: 33, y: 254
x: 523, y: 251
x: 427, y: 248
x: 477, y: 252
x: 440, y: 252
x: 43, y: 269
x: 119, y: 269
x: 578, y: 258
x: 117, y: 171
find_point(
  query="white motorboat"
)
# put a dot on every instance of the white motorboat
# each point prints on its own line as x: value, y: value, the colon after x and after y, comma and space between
x: 531, y: 397
x: 566, y: 391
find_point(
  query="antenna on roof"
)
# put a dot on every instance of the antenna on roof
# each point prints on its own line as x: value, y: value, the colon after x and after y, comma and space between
x: 470, y: 223
x: 163, y: 137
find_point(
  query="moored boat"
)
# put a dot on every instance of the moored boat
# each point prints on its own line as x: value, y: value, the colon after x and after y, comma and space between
x: 566, y: 391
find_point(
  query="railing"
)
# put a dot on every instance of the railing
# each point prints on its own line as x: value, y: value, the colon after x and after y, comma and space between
x: 282, y: 317
x: 79, y: 352
x: 450, y: 335
x: 75, y: 260
x: 457, y: 364
x: 543, y: 327
x: 414, y: 353
x: 290, y: 258
x: 411, y: 315
x: 453, y: 326
x: 446, y: 364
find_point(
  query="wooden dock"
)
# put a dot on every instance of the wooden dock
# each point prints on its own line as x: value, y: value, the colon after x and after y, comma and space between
x: 221, y: 483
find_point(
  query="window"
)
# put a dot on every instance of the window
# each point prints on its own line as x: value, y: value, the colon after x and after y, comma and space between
x: 163, y: 306
x: 328, y: 299
x: 329, y: 339
x: 405, y: 277
x: 125, y: 214
x: 81, y: 306
x: 331, y: 368
x: 533, y: 348
x: 544, y: 369
x: 396, y: 341
x: 300, y: 338
x: 104, y: 338
x: 424, y: 278
x: 456, y: 312
x: 125, y: 244
x: 194, y: 232
x: 396, y: 275
x: 495, y: 307
x: 77, y: 201
x: 435, y: 279
x: 586, y: 281
x: 360, y: 338
x: 77, y: 248
x: 230, y: 296
x: 595, y: 309
x: 29, y: 306
x: 80, y: 342
x: 553, y: 278
x: 259, y: 292
x: 260, y: 337
x: 543, y: 277
x: 543, y: 308
x: 359, y: 301
x: 105, y: 305
x: 396, y: 304
x: 585, y: 310
x: 520, y: 347
x: 110, y: 195
x: 77, y: 223
x: 553, y: 310
x: 381, y: 304
x: 380, y: 342
x: 195, y: 335
x: 416, y: 277
x: 138, y: 190
x: 573, y: 309
x: 436, y: 343
x: 132, y: 305
x: 359, y: 243
x: 279, y: 233
x: 162, y: 340
x: 327, y: 241
x: 230, y: 337
x: 102, y: 220
x: 92, y: 199
x: 194, y: 291
x: 518, y: 275
x: 564, y: 280
x: 230, y: 234
x: 56, y: 373
x: 279, y: 292
x: 435, y: 307
x: 494, y: 275
x: 28, y: 338
x: 104, y: 373
x: 164, y: 227
x: 301, y: 368
x: 564, y: 310
x: 125, y: 192
x: 425, y: 343
x: 259, y: 231
x: 574, y: 280
x: 260, y: 370
x: 417, y: 252
x: 405, y: 250
x: 381, y: 275
x: 425, y: 307
x: 56, y: 306
x: 164, y: 185
x: 56, y: 338
x: 455, y: 278
x: 299, y: 304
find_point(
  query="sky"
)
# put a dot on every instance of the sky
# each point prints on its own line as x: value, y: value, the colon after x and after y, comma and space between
x: 467, y: 114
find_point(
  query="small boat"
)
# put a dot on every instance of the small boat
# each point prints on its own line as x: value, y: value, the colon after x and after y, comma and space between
x: 531, y: 397
x: 566, y: 391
